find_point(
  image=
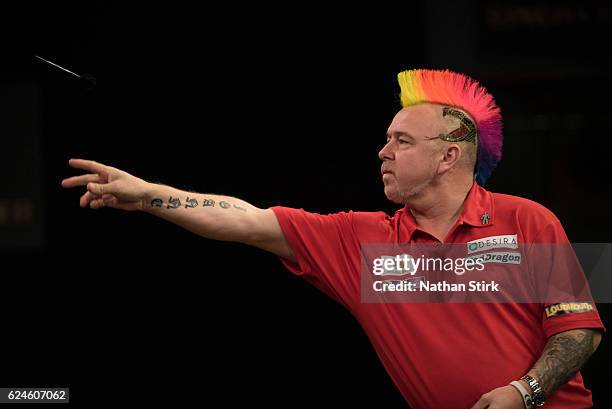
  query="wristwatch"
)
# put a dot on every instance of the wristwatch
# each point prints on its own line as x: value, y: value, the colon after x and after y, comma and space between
x: 538, y: 397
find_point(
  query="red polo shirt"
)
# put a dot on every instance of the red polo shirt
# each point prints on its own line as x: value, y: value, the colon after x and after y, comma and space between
x: 439, y: 355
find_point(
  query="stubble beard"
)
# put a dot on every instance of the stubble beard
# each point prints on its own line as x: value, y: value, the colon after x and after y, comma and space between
x: 406, y: 196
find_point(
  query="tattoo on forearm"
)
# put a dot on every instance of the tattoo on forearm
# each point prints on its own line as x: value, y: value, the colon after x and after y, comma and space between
x: 191, y: 203
x: 563, y: 356
x: 175, y: 203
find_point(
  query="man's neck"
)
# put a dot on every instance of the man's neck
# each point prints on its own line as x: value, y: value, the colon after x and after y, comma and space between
x: 437, y: 210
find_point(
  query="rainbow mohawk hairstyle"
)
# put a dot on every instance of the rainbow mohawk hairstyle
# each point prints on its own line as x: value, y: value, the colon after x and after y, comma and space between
x: 459, y: 91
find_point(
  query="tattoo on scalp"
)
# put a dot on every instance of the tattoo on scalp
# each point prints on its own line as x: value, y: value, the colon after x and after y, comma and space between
x: 466, y: 131
x: 563, y: 356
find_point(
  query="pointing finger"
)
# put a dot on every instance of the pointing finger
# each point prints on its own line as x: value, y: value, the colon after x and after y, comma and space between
x: 81, y: 180
x: 89, y: 165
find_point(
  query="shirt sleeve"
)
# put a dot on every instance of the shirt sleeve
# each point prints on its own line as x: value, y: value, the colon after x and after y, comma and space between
x: 325, y: 248
x: 566, y: 298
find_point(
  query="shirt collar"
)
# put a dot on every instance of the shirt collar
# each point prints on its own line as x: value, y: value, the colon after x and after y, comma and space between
x: 478, y: 207
x: 477, y: 211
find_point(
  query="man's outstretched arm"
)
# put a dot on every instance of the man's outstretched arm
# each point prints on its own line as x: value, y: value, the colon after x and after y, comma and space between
x: 212, y: 216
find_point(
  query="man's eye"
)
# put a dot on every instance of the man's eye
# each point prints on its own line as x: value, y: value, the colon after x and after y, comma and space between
x: 402, y: 141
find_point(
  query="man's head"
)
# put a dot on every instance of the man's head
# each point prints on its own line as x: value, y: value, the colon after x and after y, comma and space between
x: 449, y: 128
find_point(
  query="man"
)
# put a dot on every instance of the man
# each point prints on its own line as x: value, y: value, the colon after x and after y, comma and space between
x: 441, y: 147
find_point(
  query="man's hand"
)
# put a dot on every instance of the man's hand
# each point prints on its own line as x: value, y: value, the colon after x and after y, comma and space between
x: 506, y: 397
x: 107, y: 186
x: 212, y: 216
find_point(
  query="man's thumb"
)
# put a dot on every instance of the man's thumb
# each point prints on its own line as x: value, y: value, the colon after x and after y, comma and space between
x: 99, y: 189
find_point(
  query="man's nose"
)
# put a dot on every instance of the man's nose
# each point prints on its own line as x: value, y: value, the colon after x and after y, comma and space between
x: 386, y: 152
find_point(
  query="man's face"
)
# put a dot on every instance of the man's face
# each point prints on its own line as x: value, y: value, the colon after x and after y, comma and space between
x: 410, y: 161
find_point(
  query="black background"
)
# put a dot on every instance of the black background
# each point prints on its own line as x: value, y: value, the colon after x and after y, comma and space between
x: 277, y: 107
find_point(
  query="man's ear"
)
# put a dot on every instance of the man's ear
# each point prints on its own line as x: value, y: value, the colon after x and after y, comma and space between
x: 451, y: 156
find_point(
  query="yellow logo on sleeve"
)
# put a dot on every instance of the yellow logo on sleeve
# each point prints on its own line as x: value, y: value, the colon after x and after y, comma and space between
x: 568, y: 308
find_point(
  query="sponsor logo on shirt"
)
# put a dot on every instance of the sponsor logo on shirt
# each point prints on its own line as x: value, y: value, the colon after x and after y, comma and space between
x: 568, y: 308
x: 502, y: 257
x: 492, y: 242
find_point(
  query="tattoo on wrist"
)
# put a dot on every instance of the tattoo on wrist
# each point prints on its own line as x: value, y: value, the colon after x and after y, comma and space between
x: 156, y: 203
x: 563, y: 356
